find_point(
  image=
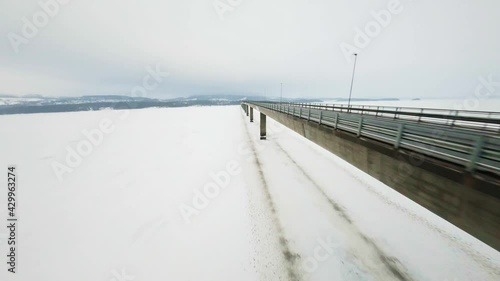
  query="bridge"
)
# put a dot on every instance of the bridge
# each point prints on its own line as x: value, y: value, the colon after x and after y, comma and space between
x: 448, y: 161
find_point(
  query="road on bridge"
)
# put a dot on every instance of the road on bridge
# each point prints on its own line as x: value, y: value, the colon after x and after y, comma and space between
x: 330, y: 221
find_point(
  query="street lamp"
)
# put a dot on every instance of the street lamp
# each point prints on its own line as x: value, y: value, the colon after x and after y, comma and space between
x: 352, y: 81
x: 281, y: 96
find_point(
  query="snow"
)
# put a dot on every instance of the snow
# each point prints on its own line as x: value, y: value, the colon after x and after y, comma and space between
x: 193, y: 194
x: 12, y: 101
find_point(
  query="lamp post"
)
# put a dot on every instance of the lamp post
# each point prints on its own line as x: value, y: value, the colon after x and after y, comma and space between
x: 281, y: 96
x: 352, y: 81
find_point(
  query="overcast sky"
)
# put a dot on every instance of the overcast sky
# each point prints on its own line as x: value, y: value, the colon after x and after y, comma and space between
x: 428, y: 48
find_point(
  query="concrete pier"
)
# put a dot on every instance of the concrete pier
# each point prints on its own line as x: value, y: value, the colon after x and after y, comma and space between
x: 262, y: 126
x: 251, y: 114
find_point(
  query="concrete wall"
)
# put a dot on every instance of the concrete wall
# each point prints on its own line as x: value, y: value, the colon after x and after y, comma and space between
x: 471, y: 202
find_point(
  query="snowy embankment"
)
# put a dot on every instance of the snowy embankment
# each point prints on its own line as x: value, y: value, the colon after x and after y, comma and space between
x: 193, y: 194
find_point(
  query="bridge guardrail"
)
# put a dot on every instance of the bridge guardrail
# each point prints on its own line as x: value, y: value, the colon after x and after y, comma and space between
x: 473, y: 149
x: 474, y: 120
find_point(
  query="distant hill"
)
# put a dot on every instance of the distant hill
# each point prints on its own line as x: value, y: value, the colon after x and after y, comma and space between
x: 40, y: 104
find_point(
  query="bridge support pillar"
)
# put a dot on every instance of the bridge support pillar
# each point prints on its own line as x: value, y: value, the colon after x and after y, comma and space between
x: 262, y: 126
x: 246, y: 109
x: 251, y: 114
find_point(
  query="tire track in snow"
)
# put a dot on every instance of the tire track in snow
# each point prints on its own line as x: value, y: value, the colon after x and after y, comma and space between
x: 291, y: 259
x: 484, y: 262
x: 393, y: 267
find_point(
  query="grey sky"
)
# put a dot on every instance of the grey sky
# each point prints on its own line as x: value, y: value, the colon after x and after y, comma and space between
x: 428, y: 49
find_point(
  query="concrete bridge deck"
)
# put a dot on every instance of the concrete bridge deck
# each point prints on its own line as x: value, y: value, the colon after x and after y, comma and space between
x: 448, y: 163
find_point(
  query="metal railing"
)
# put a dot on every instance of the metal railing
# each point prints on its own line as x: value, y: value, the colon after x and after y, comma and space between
x: 470, y: 146
x: 483, y: 121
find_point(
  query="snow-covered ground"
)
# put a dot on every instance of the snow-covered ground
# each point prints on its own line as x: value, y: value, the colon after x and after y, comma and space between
x: 193, y: 194
x: 20, y: 100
